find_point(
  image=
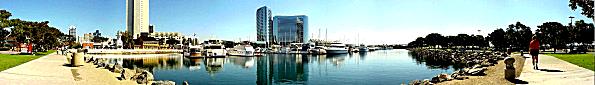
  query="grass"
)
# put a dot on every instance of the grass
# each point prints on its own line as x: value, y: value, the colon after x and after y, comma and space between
x: 582, y: 60
x: 8, y: 61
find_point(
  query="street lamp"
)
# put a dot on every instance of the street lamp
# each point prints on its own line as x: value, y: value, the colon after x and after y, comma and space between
x: 571, y: 17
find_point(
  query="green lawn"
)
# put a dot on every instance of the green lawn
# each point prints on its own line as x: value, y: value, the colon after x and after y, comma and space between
x: 582, y: 60
x: 9, y: 61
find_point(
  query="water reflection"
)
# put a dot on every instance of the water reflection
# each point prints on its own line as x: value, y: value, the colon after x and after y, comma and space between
x: 214, y: 65
x: 282, y: 69
x: 433, y: 64
x: 244, y: 62
x: 170, y: 61
x: 193, y: 63
x: 378, y: 67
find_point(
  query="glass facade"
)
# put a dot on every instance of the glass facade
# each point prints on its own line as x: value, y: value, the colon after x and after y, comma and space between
x: 290, y: 29
x: 263, y: 24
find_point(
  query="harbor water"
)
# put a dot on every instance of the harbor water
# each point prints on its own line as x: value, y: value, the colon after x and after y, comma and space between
x: 377, y: 67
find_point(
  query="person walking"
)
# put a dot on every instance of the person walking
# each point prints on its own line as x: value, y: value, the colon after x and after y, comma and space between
x: 534, y: 51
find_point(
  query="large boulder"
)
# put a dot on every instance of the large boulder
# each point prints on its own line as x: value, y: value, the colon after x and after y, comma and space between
x: 143, y: 77
x: 445, y: 77
x: 118, y: 69
x: 163, y: 83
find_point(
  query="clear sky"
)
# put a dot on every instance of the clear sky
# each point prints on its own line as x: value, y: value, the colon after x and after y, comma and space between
x: 375, y: 21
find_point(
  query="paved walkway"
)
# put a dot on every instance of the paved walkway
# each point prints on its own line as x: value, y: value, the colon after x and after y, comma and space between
x: 553, y: 71
x: 46, y: 70
x: 50, y: 70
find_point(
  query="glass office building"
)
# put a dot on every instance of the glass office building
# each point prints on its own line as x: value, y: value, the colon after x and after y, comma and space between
x: 290, y: 29
x: 264, y: 24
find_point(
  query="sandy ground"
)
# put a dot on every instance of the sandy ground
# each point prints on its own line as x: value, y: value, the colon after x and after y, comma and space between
x: 89, y: 74
x: 494, y: 75
x: 51, y: 70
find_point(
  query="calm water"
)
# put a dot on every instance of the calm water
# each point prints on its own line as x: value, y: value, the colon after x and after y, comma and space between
x: 378, y: 67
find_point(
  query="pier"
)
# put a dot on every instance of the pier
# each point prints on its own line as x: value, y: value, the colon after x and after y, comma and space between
x: 133, y: 51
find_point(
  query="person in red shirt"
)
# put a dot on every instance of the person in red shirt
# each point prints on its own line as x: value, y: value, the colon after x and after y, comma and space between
x: 534, y: 51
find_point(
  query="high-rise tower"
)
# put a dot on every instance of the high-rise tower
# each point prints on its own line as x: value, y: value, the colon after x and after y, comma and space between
x: 264, y: 24
x: 137, y: 17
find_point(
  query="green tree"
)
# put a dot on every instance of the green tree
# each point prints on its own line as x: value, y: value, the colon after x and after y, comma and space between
x: 583, y: 32
x: 518, y: 36
x: 586, y: 6
x: 554, y: 34
x: 98, y: 39
x: 498, y: 39
x: 127, y: 41
x: 419, y: 42
x: 435, y: 39
x: 462, y: 40
x: 171, y: 42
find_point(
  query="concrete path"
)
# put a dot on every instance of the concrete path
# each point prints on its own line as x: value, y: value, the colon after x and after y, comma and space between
x: 46, y: 70
x: 50, y: 70
x: 553, y: 71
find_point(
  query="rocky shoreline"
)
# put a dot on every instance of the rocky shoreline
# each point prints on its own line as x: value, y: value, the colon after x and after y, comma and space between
x: 138, y: 75
x: 473, y: 63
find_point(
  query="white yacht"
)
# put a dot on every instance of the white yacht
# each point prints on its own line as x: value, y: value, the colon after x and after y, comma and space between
x: 241, y: 50
x: 318, y: 50
x: 363, y: 48
x: 215, y: 50
x: 337, y: 48
x: 300, y: 48
x: 194, y: 51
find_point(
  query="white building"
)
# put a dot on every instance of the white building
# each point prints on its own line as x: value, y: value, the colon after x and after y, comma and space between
x: 72, y: 32
x: 166, y: 35
x: 137, y: 17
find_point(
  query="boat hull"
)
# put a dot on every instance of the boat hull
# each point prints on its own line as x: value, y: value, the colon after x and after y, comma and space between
x: 195, y: 55
x: 215, y: 55
x: 363, y: 50
x: 336, y: 51
x: 241, y: 53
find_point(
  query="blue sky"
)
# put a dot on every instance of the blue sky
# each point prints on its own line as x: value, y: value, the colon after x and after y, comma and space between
x: 375, y: 21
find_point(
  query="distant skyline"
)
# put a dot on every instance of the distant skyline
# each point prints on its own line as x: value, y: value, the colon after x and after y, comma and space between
x: 375, y: 21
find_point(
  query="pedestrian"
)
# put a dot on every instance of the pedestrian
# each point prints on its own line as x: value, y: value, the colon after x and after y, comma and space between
x: 534, y: 51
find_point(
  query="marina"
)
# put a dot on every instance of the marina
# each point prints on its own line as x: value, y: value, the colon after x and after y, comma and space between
x: 377, y: 67
x: 346, y: 42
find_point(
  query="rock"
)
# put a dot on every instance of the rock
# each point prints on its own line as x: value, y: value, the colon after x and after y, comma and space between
x: 163, y: 83
x: 476, y: 71
x: 141, y: 78
x: 118, y: 69
x: 110, y: 67
x: 149, y: 75
x: 435, y: 79
x: 123, y: 74
x: 185, y: 83
x: 415, y: 82
x: 426, y: 82
x: 445, y: 77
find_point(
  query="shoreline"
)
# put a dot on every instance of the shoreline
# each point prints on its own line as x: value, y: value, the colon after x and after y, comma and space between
x: 472, y: 65
x: 494, y: 73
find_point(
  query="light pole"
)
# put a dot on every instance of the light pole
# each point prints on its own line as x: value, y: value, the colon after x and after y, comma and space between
x: 570, y: 28
x: 571, y: 17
